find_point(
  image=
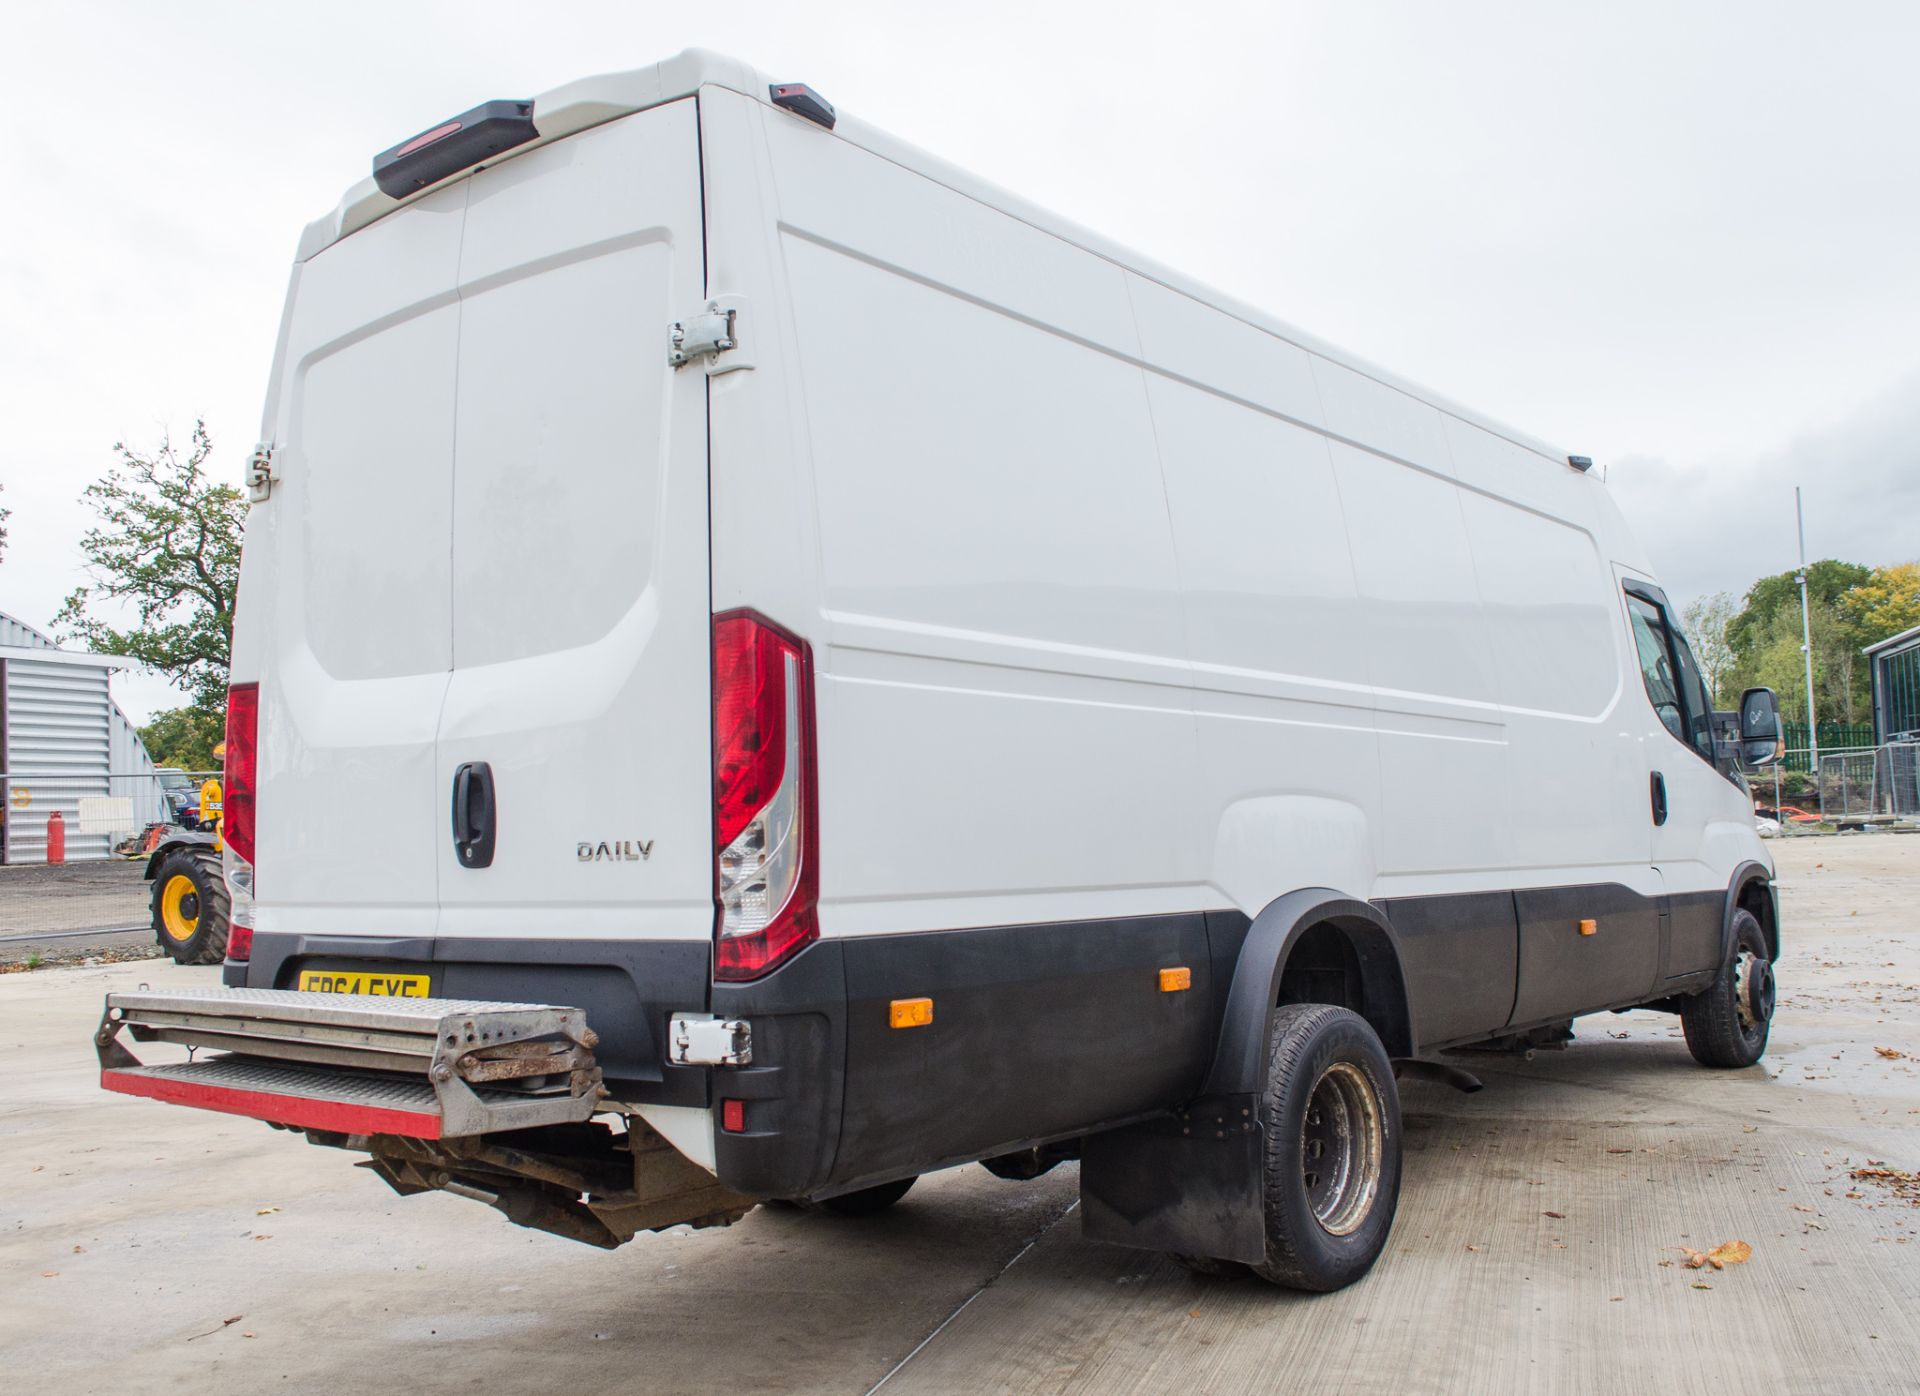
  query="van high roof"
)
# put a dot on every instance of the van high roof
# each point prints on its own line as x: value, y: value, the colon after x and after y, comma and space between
x: 591, y: 101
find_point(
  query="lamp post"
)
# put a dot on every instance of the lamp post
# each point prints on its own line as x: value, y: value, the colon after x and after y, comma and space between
x: 1806, y: 652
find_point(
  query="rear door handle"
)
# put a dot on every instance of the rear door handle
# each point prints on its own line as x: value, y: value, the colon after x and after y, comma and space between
x: 1657, y: 788
x: 473, y: 814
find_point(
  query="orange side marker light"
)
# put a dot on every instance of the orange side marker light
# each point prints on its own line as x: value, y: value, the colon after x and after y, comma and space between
x: 910, y: 1013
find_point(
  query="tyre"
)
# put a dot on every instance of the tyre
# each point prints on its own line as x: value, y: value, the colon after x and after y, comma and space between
x: 1726, y: 1023
x: 1332, y: 1157
x: 867, y: 1201
x: 190, y: 908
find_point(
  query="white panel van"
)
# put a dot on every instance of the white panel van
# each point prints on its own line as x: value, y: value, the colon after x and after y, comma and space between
x: 838, y: 673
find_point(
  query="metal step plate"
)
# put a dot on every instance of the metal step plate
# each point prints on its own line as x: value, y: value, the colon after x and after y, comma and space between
x: 357, y: 1064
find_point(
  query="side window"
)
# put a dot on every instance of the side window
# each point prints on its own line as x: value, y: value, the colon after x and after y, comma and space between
x: 1693, y: 689
x: 1674, y: 686
x: 1656, y: 665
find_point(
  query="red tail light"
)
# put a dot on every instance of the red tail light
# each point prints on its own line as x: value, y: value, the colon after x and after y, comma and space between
x: 765, y: 821
x: 239, y: 941
x: 243, y: 723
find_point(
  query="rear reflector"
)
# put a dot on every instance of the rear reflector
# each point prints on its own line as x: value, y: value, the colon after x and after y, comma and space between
x: 452, y: 146
x: 766, y: 826
x: 733, y: 1116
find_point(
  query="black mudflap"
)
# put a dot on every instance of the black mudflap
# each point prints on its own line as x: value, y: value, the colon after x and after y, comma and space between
x: 1190, y: 1183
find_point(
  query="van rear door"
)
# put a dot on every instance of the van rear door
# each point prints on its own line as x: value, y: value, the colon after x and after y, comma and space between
x: 346, y: 610
x: 580, y: 601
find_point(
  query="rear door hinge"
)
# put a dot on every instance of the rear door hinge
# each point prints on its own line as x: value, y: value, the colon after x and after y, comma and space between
x: 707, y: 335
x: 260, y: 472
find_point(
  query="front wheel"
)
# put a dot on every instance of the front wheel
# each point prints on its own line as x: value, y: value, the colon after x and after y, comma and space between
x: 1332, y: 1159
x: 1727, y: 1022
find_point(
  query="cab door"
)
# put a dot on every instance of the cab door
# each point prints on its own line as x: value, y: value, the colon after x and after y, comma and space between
x: 1686, y: 790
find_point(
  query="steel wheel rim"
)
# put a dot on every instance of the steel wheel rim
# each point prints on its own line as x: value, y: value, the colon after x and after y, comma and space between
x: 180, y: 907
x: 1342, y: 1142
x: 1753, y: 990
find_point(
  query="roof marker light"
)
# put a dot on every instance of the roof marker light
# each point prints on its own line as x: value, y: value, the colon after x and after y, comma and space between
x: 802, y: 100
x: 453, y: 146
x: 1581, y: 463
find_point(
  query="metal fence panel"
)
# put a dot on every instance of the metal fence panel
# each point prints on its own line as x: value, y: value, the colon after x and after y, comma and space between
x: 113, y: 822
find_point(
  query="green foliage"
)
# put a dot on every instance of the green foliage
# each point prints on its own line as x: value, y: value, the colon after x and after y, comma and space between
x: 1766, y: 598
x: 1849, y: 607
x: 168, y: 546
x: 185, y: 737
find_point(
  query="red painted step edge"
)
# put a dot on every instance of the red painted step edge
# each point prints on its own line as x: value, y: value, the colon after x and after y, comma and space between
x: 280, y: 1109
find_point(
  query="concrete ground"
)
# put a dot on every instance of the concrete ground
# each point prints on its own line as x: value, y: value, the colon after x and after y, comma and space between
x: 1538, y: 1247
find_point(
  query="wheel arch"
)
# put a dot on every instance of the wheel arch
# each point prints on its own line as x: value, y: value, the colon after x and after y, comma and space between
x: 1286, y: 925
x: 1751, y: 889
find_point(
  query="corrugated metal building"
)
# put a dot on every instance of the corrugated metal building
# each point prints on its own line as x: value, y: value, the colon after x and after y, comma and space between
x: 63, y: 740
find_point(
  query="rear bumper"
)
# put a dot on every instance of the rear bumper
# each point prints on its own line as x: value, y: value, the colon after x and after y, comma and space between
x: 628, y: 989
x: 792, y: 1092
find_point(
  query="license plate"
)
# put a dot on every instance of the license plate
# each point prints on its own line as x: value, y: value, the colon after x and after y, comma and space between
x: 355, y: 981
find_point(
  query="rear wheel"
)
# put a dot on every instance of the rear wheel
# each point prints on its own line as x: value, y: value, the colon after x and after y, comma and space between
x: 190, y: 908
x: 867, y: 1201
x: 1332, y: 1148
x: 1727, y: 1022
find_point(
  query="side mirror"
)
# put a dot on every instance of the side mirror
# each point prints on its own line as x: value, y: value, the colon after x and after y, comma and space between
x: 1760, y: 741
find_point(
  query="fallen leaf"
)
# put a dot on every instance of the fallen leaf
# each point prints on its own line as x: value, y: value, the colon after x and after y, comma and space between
x: 1473, y: 1248
x: 1701, y: 1284
x: 49, y: 1274
x: 1720, y: 1257
x: 245, y: 1334
x: 265, y: 1211
x: 227, y: 1322
x: 1612, y: 1150
x: 1801, y: 1207
x: 1193, y: 1313
x: 263, y: 1238
x: 1890, y: 1053
x: 79, y: 1250
x: 1557, y: 1216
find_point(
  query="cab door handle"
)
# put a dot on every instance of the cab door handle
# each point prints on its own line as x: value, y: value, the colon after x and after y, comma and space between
x: 1657, y: 788
x: 473, y: 814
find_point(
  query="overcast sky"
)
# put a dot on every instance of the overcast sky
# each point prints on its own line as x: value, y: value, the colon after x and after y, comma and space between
x: 1681, y: 238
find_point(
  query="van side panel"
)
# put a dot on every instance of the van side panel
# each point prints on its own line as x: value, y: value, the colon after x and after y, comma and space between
x: 999, y: 592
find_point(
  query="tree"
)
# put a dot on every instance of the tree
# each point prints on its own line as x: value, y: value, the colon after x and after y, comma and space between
x: 1887, y: 603
x: 1826, y: 581
x: 168, y: 545
x: 184, y: 737
x: 1705, y: 620
x: 1775, y: 661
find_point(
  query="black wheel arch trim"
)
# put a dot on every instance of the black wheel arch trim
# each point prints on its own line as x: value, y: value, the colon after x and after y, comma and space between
x: 1240, y: 1057
x: 1750, y: 874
